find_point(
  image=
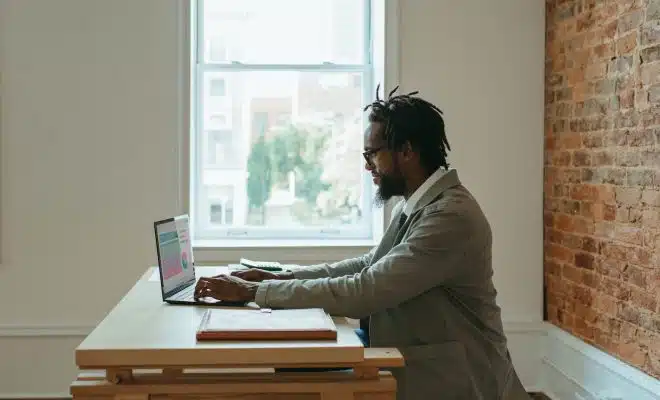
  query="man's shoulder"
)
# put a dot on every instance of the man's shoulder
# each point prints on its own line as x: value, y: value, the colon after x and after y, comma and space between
x: 454, y: 199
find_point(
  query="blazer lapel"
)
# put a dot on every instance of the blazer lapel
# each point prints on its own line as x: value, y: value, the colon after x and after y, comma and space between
x: 395, y: 233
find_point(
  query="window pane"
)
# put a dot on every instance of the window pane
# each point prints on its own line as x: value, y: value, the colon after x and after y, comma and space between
x: 284, y: 31
x: 221, y: 198
x: 292, y: 157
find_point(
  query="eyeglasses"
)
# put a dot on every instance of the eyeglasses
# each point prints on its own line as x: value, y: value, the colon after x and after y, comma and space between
x: 369, y: 154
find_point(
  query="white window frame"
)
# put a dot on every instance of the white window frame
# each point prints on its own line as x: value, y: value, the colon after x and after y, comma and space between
x: 382, y: 63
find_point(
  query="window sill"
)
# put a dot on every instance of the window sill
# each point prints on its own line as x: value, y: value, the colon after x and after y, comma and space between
x: 305, y: 252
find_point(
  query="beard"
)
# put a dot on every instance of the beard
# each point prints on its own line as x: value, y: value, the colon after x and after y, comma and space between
x: 390, y: 185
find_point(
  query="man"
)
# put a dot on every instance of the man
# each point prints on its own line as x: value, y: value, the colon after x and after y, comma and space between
x: 427, y: 287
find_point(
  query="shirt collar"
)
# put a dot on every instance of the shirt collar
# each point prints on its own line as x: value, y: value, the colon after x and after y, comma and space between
x: 410, y: 204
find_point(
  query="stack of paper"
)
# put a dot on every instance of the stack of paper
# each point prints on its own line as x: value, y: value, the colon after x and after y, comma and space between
x: 265, y: 324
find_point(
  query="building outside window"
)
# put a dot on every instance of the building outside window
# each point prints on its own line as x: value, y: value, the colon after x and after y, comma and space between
x: 279, y: 119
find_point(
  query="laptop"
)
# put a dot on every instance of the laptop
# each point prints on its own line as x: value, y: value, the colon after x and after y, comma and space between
x: 176, y: 263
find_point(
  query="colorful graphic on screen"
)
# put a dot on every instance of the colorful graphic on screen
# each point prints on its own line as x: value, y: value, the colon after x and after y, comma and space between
x: 170, y: 253
x: 184, y: 260
x: 175, y: 253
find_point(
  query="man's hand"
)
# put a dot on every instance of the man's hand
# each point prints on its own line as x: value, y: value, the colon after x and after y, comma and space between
x: 258, y: 275
x: 226, y: 288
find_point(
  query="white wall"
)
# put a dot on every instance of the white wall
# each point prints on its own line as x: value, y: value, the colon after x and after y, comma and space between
x: 90, y: 131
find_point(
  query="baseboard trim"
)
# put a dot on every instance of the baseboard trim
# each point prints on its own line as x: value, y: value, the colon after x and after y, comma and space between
x: 574, y: 370
x: 53, y: 330
x: 50, y: 330
x: 35, y: 396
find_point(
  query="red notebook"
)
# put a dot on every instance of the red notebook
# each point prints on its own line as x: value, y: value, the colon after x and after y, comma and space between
x: 265, y: 324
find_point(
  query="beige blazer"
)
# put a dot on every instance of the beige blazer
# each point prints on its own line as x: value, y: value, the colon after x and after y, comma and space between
x: 428, y: 290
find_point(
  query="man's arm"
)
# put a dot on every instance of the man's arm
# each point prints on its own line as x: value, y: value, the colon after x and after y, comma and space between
x: 431, y: 256
x: 341, y: 268
x: 350, y: 266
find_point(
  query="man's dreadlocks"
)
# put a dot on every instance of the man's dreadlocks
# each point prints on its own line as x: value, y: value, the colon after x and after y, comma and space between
x: 415, y: 120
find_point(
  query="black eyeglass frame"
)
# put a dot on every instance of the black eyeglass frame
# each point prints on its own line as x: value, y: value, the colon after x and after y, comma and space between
x: 368, y: 154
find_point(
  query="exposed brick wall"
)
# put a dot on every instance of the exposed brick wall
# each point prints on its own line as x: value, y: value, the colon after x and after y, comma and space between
x: 602, y: 175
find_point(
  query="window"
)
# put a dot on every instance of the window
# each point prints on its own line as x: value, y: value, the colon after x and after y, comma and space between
x: 218, y: 88
x: 221, y: 150
x: 285, y: 141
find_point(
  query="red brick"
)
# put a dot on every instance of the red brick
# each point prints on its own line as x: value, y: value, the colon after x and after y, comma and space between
x: 650, y: 54
x: 552, y: 267
x: 585, y: 260
x: 570, y: 140
x: 651, y: 157
x: 609, y: 268
x: 590, y: 244
x: 602, y: 195
x: 548, y: 219
x: 604, y: 341
x: 651, y: 238
x: 653, y: 281
x: 652, y: 366
x: 571, y: 241
x: 650, y: 73
x: 630, y: 21
x: 643, y: 299
x: 581, y: 158
x: 591, y: 279
x: 629, y: 214
x: 572, y: 274
x: 559, y: 253
x: 564, y: 223
x: 619, y: 251
x: 602, y: 158
x: 585, y: 192
x: 614, y: 288
x: 584, y: 309
x: 607, y: 304
x: 641, y: 138
x: 642, y: 177
x: 627, y: 99
x: 583, y: 330
x: 632, y: 314
x: 626, y: 158
x: 587, y: 210
x: 632, y: 353
x: 629, y: 234
x: 554, y: 236
x: 569, y: 175
x: 651, y: 117
x: 650, y: 33
x: 651, y: 217
x: 635, y: 275
x: 628, y: 195
x: 604, y: 229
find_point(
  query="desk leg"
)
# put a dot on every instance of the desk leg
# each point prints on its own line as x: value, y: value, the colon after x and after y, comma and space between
x: 119, y: 375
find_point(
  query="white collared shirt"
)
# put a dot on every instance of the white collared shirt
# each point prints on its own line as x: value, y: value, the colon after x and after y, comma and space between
x: 412, y: 201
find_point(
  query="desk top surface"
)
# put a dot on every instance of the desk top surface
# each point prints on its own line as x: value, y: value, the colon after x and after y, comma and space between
x: 143, y: 331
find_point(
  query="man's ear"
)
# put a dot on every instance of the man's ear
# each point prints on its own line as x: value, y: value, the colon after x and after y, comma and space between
x: 407, y: 151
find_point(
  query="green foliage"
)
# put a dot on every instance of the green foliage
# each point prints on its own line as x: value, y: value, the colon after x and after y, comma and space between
x: 291, y: 149
x: 259, y: 182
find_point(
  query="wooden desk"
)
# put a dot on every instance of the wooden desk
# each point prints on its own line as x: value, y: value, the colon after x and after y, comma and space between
x: 146, y: 348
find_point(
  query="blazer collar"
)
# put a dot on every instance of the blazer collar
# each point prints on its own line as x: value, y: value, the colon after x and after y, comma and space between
x: 448, y: 180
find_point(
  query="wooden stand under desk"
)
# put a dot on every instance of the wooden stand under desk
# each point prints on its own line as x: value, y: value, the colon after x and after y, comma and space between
x: 145, y: 349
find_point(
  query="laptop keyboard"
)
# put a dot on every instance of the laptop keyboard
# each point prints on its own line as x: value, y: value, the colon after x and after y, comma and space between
x: 186, y: 294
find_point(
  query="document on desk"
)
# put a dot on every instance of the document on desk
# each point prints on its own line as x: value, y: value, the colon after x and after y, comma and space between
x: 266, y: 324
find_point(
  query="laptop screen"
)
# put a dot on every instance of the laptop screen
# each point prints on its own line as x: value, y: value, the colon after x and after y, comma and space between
x: 175, y: 252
